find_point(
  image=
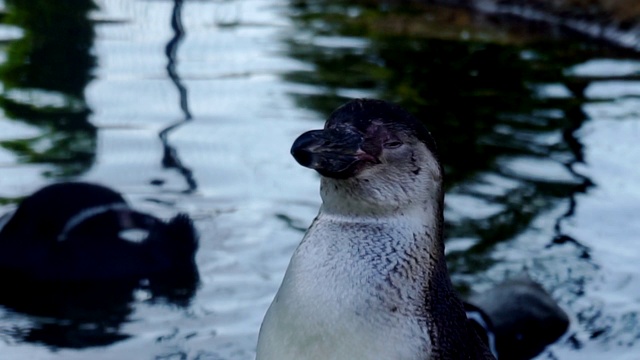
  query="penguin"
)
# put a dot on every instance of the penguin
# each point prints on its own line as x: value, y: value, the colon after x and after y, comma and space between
x: 369, y: 279
x: 77, y: 231
x: 518, y: 318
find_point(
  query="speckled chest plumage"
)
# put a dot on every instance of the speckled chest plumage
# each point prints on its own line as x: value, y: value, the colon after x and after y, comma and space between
x: 352, y: 291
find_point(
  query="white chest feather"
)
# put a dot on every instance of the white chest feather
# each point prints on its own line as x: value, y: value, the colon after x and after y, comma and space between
x: 352, y: 291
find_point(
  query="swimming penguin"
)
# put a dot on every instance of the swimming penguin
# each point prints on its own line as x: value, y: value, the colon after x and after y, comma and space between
x: 518, y: 317
x: 369, y: 279
x: 76, y: 231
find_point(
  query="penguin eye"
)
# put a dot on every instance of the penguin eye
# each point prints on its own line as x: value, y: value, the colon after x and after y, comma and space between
x: 393, y: 144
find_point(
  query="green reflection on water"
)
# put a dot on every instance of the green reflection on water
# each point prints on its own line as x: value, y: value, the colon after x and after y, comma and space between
x: 476, y: 86
x: 44, y: 77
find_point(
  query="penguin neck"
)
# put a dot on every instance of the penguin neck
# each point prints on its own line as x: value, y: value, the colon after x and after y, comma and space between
x: 358, y: 199
x: 406, y: 233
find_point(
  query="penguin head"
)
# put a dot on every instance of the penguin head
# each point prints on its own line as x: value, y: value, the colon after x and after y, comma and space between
x: 374, y: 155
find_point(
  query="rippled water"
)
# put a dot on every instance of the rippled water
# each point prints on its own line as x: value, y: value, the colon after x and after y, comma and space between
x: 193, y: 107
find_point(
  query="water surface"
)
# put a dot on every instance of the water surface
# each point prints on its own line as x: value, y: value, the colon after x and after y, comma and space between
x: 192, y: 106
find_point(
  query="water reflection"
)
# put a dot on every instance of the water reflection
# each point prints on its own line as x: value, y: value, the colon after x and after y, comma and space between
x: 170, y: 158
x: 81, y: 315
x: 44, y: 78
x: 501, y: 112
x: 66, y: 315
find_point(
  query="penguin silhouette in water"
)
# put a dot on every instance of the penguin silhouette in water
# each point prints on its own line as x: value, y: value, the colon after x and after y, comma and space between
x: 73, y: 253
x: 517, y: 318
x: 77, y: 231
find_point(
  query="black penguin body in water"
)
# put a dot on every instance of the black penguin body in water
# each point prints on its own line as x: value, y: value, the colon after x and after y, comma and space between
x: 518, y: 318
x: 75, y: 231
x: 68, y: 257
x: 369, y: 279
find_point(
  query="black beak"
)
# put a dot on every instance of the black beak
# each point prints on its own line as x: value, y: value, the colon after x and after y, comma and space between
x: 333, y: 153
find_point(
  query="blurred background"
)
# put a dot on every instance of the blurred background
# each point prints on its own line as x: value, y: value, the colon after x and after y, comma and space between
x: 193, y: 105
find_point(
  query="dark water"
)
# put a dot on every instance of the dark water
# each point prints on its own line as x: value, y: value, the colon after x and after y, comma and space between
x: 192, y: 106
